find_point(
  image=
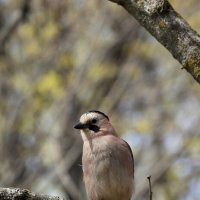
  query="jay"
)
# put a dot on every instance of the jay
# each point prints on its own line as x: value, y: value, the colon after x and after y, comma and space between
x: 108, y: 164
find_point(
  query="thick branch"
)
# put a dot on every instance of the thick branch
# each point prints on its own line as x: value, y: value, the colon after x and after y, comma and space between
x: 23, y: 194
x: 170, y: 29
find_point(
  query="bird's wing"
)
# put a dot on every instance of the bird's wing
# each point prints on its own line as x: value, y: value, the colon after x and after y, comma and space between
x: 130, y: 150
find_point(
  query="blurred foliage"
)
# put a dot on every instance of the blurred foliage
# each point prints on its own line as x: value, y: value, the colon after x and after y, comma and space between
x: 59, y: 59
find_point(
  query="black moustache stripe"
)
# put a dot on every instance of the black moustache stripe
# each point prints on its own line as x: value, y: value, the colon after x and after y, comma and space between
x: 93, y: 128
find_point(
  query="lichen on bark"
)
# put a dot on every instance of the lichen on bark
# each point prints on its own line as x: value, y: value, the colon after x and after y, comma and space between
x: 170, y: 29
x: 23, y: 194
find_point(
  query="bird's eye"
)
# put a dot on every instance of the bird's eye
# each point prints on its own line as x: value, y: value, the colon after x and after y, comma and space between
x: 94, y: 120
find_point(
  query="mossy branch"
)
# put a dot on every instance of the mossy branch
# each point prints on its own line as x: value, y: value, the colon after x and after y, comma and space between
x: 23, y: 194
x: 170, y: 29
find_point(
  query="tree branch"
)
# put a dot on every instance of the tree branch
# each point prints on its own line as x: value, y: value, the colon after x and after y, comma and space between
x: 8, y: 31
x: 170, y: 29
x: 23, y: 194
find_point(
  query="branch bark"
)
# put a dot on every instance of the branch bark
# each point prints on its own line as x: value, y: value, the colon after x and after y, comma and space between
x: 170, y: 29
x: 23, y: 194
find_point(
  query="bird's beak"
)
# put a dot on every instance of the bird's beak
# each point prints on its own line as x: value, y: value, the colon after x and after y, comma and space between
x: 81, y: 126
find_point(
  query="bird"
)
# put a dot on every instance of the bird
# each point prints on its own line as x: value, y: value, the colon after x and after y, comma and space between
x: 107, y: 160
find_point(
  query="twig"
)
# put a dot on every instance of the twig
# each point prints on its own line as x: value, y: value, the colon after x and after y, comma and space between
x: 150, y: 191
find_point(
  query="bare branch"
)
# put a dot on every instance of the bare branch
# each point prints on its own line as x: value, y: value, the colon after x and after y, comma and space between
x: 170, y: 29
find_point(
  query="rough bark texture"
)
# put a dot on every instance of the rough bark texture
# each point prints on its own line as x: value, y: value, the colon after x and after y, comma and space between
x: 23, y: 194
x: 170, y: 29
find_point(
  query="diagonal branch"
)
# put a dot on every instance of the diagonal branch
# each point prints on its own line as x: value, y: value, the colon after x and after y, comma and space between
x: 8, y: 31
x: 170, y: 29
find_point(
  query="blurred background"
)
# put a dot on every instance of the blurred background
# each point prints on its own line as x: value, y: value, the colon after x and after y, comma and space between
x: 59, y: 59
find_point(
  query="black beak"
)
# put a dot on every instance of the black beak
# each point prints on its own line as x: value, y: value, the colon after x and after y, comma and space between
x: 81, y: 126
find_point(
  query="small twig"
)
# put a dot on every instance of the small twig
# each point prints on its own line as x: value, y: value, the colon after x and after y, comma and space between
x: 150, y: 191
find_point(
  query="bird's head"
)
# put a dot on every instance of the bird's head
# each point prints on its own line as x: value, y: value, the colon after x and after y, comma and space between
x: 94, y: 123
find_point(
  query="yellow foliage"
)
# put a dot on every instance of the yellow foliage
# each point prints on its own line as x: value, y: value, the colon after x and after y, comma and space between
x: 49, y: 31
x: 98, y: 72
x: 34, y: 39
x: 27, y: 124
x: 20, y: 82
x: 66, y: 60
x: 32, y: 48
x: 29, y: 37
x: 26, y: 31
x: 143, y: 126
x: 50, y: 85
